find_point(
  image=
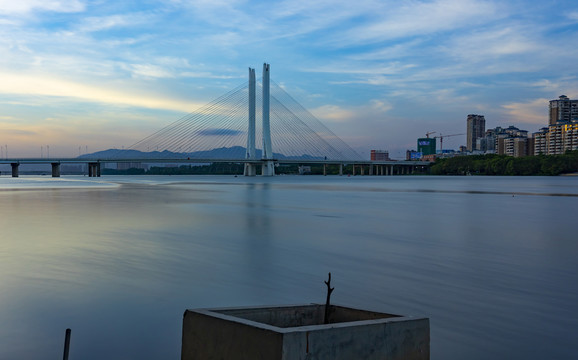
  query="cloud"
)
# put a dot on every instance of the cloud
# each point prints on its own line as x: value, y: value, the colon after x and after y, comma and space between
x: 333, y: 113
x: 56, y: 87
x: 532, y: 112
x: 18, y: 132
x: 337, y: 114
x: 419, y: 18
x: 149, y: 70
x: 572, y: 15
x: 91, y: 24
x: 27, y: 6
x: 479, y: 46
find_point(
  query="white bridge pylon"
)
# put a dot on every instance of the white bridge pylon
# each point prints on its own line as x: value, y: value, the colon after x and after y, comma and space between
x: 268, y: 165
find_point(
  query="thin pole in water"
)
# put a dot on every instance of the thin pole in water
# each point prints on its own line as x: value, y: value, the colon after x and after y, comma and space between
x: 327, y: 302
x: 66, y: 344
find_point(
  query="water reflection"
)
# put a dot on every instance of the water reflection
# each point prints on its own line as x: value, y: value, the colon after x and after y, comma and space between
x: 118, y: 261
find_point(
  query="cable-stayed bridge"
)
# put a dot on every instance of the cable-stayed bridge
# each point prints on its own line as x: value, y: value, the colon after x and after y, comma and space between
x: 227, y: 130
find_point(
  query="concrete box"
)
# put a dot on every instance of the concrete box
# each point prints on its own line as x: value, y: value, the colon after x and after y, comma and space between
x: 298, y: 333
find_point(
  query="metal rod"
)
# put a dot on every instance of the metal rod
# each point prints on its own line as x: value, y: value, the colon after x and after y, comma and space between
x: 66, y: 344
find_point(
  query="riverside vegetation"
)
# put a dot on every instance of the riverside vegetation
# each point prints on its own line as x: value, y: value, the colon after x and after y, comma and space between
x: 506, y: 165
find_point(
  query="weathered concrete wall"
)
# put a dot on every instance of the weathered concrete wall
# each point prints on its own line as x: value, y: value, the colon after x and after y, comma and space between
x: 343, y: 314
x: 297, y: 333
x: 208, y: 337
x: 303, y: 315
x: 282, y: 316
x: 368, y: 340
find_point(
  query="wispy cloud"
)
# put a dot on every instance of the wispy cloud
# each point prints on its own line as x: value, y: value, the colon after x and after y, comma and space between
x: 100, y: 23
x: 55, y: 87
x: 27, y: 6
x: 333, y: 113
x: 532, y: 112
x: 573, y: 15
x: 419, y: 18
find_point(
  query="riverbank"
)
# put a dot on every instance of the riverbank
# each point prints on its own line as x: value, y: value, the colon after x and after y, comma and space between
x: 541, y: 165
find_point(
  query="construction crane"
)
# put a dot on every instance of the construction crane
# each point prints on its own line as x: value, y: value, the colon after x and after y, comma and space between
x: 441, y: 137
x: 427, y: 134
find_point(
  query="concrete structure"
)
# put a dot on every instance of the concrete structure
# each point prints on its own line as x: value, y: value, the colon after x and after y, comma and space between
x: 516, y: 146
x: 251, y: 169
x: 505, y: 141
x: 426, y: 146
x: 563, y: 110
x: 562, y: 136
x: 55, y: 169
x: 379, y: 155
x: 94, y: 169
x: 14, y: 169
x: 268, y: 167
x: 541, y: 142
x: 476, y: 126
x: 299, y: 333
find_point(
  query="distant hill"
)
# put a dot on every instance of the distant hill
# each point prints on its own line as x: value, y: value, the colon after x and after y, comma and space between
x: 233, y: 153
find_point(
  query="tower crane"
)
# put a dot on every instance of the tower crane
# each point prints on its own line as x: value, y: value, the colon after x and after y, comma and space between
x: 427, y: 134
x: 441, y: 137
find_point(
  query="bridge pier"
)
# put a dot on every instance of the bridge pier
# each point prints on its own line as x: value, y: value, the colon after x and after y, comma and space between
x: 268, y: 168
x: 14, y: 169
x: 250, y: 170
x: 324, y: 169
x: 93, y: 169
x: 55, y: 169
x: 340, y: 169
x: 370, y: 169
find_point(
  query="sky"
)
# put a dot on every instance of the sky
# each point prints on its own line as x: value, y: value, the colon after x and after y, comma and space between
x: 89, y: 75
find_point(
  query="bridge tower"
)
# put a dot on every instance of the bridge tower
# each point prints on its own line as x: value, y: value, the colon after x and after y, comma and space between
x: 268, y: 167
x: 250, y: 169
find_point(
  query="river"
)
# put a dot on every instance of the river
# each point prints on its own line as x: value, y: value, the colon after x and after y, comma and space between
x: 492, y: 261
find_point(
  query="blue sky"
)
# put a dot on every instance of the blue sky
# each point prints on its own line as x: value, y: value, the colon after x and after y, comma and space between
x: 104, y: 74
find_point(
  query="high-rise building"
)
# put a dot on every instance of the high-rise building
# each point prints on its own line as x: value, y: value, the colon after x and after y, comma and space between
x: 476, y: 130
x: 426, y: 146
x: 563, y: 109
x: 561, y: 137
x: 541, y: 141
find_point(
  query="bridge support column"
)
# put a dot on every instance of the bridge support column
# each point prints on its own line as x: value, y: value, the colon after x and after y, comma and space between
x: 55, y: 169
x: 340, y: 169
x: 391, y: 170
x: 353, y: 169
x: 14, y: 169
x: 250, y: 170
x: 268, y: 163
x: 370, y: 169
x: 324, y: 169
x: 268, y: 168
x: 93, y: 169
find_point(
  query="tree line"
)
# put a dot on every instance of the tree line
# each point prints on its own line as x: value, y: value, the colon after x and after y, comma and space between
x: 507, y: 165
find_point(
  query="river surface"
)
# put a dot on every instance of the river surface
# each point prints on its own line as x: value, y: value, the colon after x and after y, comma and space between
x: 492, y: 261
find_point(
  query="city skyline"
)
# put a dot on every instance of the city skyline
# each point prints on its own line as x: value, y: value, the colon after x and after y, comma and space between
x: 101, y: 75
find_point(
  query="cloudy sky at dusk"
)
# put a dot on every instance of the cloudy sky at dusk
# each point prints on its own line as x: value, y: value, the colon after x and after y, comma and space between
x: 101, y: 74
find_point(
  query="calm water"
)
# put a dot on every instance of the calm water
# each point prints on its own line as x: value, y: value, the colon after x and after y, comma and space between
x: 492, y: 261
